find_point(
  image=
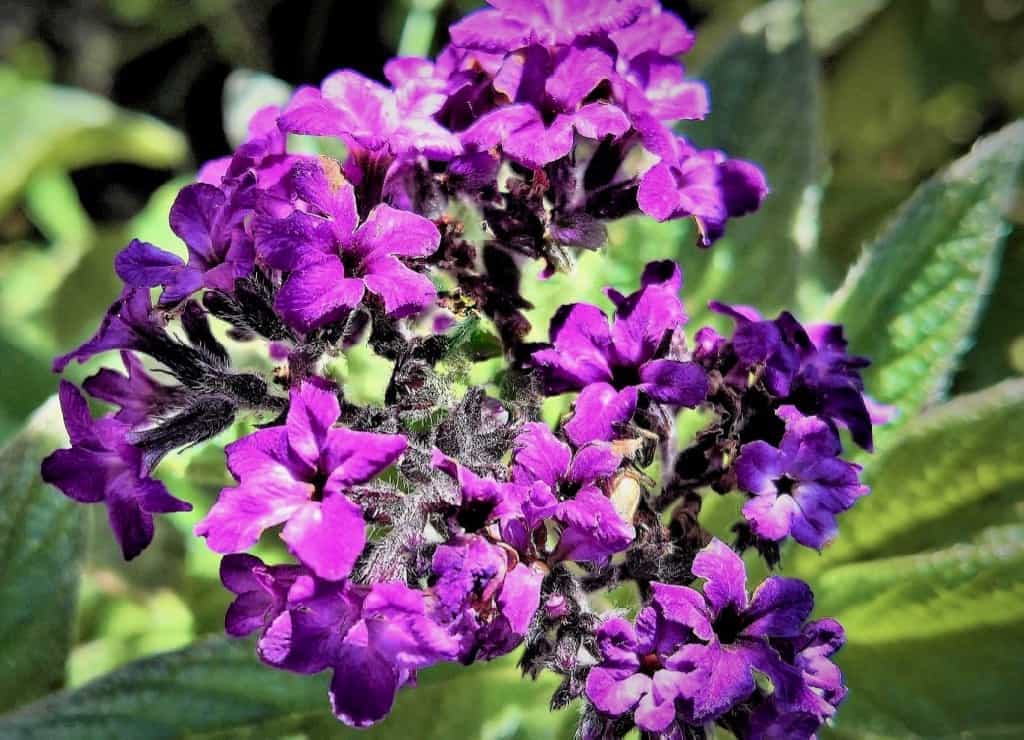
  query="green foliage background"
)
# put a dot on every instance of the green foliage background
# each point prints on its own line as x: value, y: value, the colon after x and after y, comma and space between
x: 883, y: 216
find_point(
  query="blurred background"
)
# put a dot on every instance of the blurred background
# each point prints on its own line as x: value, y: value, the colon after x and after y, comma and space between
x: 108, y: 106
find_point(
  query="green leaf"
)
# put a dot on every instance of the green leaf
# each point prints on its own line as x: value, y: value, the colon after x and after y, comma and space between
x: 932, y: 639
x: 911, y: 302
x: 41, y: 535
x: 765, y: 107
x: 954, y: 470
x: 831, y: 22
x: 217, y: 688
x: 46, y: 125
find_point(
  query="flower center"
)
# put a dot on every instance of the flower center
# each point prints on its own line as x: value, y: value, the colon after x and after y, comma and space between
x: 650, y: 664
x: 785, y: 485
x: 318, y: 482
x: 728, y: 626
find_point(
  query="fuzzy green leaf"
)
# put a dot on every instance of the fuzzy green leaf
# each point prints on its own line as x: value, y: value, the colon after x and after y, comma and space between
x: 912, y: 301
x: 217, y: 688
x: 41, y: 538
x: 932, y: 639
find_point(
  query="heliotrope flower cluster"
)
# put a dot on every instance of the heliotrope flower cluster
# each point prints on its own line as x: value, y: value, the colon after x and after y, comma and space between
x: 448, y: 523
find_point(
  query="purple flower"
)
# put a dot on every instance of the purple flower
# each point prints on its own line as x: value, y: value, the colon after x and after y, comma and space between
x: 374, y: 119
x: 373, y: 638
x: 806, y: 367
x: 551, y: 105
x: 591, y: 528
x: 703, y: 184
x: 801, y: 486
x: 634, y: 676
x: 211, y: 222
x: 734, y: 636
x: 486, y: 594
x: 102, y: 466
x: 333, y: 258
x: 298, y: 474
x: 261, y: 592
x: 610, y: 365
x: 823, y: 690
x: 138, y: 394
x: 513, y: 24
x: 516, y: 510
x: 655, y: 30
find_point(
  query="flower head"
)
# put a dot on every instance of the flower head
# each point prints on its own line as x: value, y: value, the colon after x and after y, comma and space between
x: 802, y: 485
x: 333, y: 258
x: 611, y: 365
x: 298, y: 474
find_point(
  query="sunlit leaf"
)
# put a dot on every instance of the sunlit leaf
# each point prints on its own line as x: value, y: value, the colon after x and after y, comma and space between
x: 912, y: 301
x: 933, y: 640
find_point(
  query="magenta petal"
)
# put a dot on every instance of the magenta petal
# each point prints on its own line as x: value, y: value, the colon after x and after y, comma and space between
x: 316, y: 117
x: 399, y: 628
x: 683, y: 605
x: 658, y: 194
x: 63, y: 469
x: 578, y: 74
x: 133, y: 527
x: 779, y: 608
x: 592, y: 529
x: 143, y: 265
x: 720, y: 677
x: 725, y: 574
x: 599, y: 408
x: 319, y: 182
x: 614, y: 695
x: 327, y: 536
x: 192, y: 217
x: 655, y: 713
x: 520, y: 597
x: 356, y: 457
x: 404, y: 291
x: 535, y: 145
x: 314, y: 409
x: 293, y: 242
x: 75, y: 410
x: 758, y: 467
x: 598, y: 120
x: 771, y: 516
x: 593, y: 462
x: 237, y: 520
x: 489, y: 30
x: 388, y: 230
x: 363, y: 687
x: 540, y: 456
x: 317, y: 295
x: 582, y: 345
